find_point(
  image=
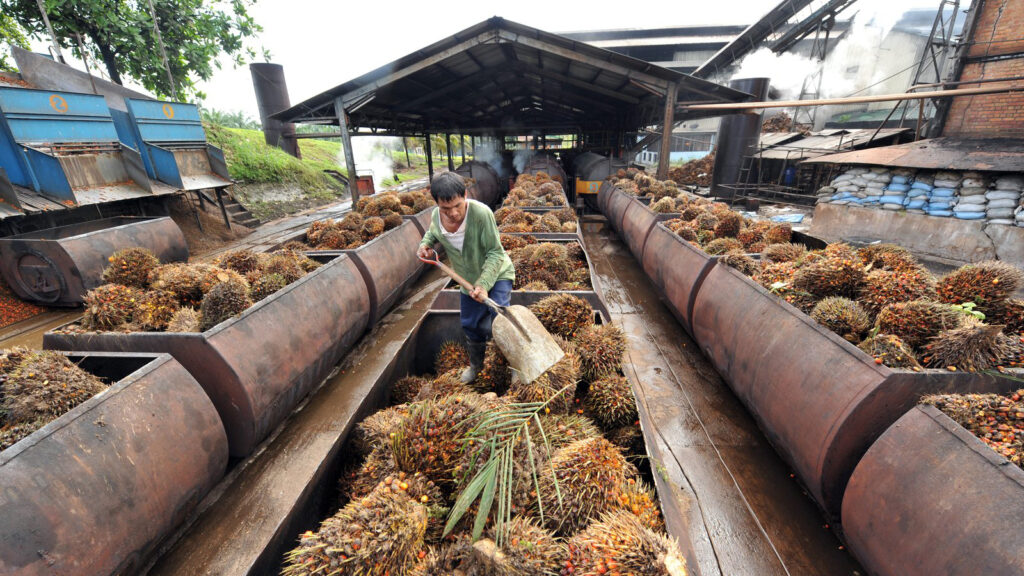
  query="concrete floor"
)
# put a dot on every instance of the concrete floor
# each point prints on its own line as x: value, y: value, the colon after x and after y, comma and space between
x: 741, y: 511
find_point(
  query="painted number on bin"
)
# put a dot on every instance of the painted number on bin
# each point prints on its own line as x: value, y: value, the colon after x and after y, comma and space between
x: 58, y: 103
x: 168, y: 111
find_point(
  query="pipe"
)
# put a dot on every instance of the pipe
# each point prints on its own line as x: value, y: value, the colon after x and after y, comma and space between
x: 744, y: 106
x: 737, y: 137
x: 271, y: 97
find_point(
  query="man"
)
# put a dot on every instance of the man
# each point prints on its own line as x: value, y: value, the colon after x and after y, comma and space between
x: 467, y: 231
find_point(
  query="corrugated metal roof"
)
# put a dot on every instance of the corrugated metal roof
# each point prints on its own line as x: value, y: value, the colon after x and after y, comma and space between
x: 827, y: 142
x: 992, y: 154
x: 503, y: 76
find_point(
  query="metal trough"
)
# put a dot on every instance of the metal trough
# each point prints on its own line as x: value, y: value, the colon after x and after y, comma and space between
x: 57, y: 266
x: 637, y: 223
x: 819, y: 399
x: 930, y: 498
x: 421, y: 219
x: 65, y: 146
x: 677, y: 269
x: 547, y: 164
x: 258, y: 365
x: 95, y: 491
x: 614, y: 206
x: 172, y: 142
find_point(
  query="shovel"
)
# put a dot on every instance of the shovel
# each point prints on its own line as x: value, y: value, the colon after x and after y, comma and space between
x: 522, y: 339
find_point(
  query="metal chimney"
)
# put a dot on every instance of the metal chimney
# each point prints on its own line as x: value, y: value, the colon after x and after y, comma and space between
x: 272, y: 97
x: 737, y: 137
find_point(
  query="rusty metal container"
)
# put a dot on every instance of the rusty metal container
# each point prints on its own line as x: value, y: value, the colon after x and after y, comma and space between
x: 388, y: 265
x: 930, y: 498
x: 485, y: 187
x: 615, y: 206
x: 258, y: 365
x: 421, y: 219
x: 819, y: 399
x: 677, y: 269
x: 57, y: 266
x: 548, y: 164
x: 637, y: 223
x: 96, y: 491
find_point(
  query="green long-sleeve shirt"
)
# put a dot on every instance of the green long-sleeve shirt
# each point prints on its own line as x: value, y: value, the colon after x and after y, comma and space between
x: 482, y: 260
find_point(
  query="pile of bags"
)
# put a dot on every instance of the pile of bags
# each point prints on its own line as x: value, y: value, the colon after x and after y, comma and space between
x: 945, y: 194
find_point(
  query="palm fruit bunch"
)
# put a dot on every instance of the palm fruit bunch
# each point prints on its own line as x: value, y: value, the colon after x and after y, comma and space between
x: 353, y: 222
x: 285, y: 264
x: 889, y: 350
x: 392, y: 220
x: 242, y: 261
x: 509, y: 215
x: 528, y: 550
x: 380, y: 534
x: 372, y: 227
x: 884, y: 287
x: 740, y: 261
x: 842, y: 316
x: 190, y: 282
x: 638, y: 498
x: 510, y: 242
x: 446, y: 384
x: 620, y: 544
x: 973, y: 347
x: 706, y: 221
x: 778, y: 233
x: 546, y: 262
x: 450, y: 356
x: 405, y: 389
x: 563, y: 314
x: 265, y: 285
x: 374, y: 431
x: 316, y: 231
x: 130, y: 267
x: 683, y: 229
x: 564, y: 429
x: 918, y: 321
x: 430, y: 439
x: 720, y: 246
x: 629, y: 438
x: 882, y: 255
x: 831, y: 276
x: 996, y: 420
x: 377, y: 204
x: 556, y: 386
x: 664, y: 206
x: 38, y: 387
x: 588, y: 474
x: 610, y: 402
x: 600, y: 350
x: 224, y: 300
x: 988, y: 284
x: 423, y: 201
x: 186, y: 319
x: 1010, y: 314
x: 729, y: 225
x: 495, y: 376
x: 775, y: 272
x: 109, y: 306
x: 446, y: 558
x: 783, y: 252
x: 154, y: 309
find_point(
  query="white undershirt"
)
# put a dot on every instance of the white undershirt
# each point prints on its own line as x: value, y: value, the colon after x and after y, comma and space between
x: 457, y: 238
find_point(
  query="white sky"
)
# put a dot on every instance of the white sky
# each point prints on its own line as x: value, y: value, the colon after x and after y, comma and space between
x: 323, y: 43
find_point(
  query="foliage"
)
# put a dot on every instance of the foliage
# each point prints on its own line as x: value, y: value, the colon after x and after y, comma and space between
x: 250, y: 160
x: 119, y: 34
x: 230, y: 119
x: 10, y: 33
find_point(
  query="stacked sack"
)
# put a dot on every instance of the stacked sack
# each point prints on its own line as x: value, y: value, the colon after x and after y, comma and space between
x: 847, y: 188
x: 878, y: 186
x: 972, y: 203
x: 942, y: 199
x: 1004, y: 200
x: 916, y: 192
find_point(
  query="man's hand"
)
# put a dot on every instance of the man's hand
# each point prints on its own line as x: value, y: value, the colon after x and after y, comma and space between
x: 424, y: 252
x: 478, y: 294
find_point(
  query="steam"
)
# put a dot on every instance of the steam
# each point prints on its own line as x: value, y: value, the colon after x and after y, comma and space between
x: 371, y: 153
x: 487, y: 151
x: 521, y: 157
x: 872, y: 22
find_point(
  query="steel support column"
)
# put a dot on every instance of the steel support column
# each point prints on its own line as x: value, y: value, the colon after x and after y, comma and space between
x: 430, y: 158
x: 346, y: 144
x: 666, y: 131
x: 448, y: 151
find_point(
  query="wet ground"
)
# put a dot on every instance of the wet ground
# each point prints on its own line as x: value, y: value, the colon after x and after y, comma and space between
x: 742, y: 511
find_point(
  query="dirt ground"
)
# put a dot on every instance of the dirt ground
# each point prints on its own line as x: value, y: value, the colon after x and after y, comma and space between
x: 214, y: 235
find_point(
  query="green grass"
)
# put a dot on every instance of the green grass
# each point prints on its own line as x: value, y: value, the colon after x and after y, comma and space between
x: 250, y: 160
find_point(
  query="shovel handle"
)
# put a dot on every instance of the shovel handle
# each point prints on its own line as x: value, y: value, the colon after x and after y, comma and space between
x: 452, y: 273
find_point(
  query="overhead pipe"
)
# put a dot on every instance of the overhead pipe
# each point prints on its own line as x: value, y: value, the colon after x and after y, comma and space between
x: 746, y: 106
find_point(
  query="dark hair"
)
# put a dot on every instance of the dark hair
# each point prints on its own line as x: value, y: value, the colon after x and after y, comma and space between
x: 446, y: 186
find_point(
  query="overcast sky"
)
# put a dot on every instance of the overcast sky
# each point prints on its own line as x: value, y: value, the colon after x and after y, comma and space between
x: 323, y: 43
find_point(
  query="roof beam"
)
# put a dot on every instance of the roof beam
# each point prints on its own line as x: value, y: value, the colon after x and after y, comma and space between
x: 524, y: 67
x: 436, y: 93
x: 537, y: 44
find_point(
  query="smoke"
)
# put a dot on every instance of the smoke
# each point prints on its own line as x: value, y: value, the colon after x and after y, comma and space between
x: 487, y: 151
x: 854, y: 62
x: 521, y: 157
x: 371, y: 153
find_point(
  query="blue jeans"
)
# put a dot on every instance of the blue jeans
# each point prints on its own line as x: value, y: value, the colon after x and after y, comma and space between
x: 477, y: 317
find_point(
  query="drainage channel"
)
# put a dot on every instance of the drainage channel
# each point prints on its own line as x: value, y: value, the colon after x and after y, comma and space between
x: 742, y: 509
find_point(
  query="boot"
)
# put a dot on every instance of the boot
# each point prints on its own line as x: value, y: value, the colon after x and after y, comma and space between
x: 476, y: 361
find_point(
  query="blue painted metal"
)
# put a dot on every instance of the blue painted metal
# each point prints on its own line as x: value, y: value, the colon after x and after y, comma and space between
x: 164, y: 133
x: 40, y: 117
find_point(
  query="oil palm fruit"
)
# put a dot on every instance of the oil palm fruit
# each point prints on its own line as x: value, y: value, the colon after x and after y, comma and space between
x: 620, y: 544
x: 155, y: 309
x: 987, y: 284
x: 109, y: 306
x: 241, y: 261
x: 832, y: 276
x: 563, y: 314
x: 884, y: 287
x: 265, y: 285
x: 130, y: 267
x: 186, y: 319
x: 600, y: 350
x: 225, y: 300
x: 450, y: 356
x: 610, y: 402
x: 842, y: 316
x: 918, y: 321
x: 783, y: 252
x: 889, y: 350
x: 973, y: 347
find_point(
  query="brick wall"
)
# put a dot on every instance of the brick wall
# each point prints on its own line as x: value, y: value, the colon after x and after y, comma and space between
x: 999, y: 31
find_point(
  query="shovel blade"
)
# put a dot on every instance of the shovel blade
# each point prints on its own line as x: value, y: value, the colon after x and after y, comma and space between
x: 529, y: 348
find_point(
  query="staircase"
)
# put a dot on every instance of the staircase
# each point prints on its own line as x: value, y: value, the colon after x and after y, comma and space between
x: 235, y: 211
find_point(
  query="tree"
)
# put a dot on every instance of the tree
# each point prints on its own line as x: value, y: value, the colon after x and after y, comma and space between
x: 231, y: 119
x: 119, y: 35
x: 10, y: 33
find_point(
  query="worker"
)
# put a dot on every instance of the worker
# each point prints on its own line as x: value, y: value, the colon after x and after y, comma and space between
x: 467, y: 231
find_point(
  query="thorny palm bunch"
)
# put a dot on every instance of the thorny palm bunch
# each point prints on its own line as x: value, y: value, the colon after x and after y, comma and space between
x: 504, y: 429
